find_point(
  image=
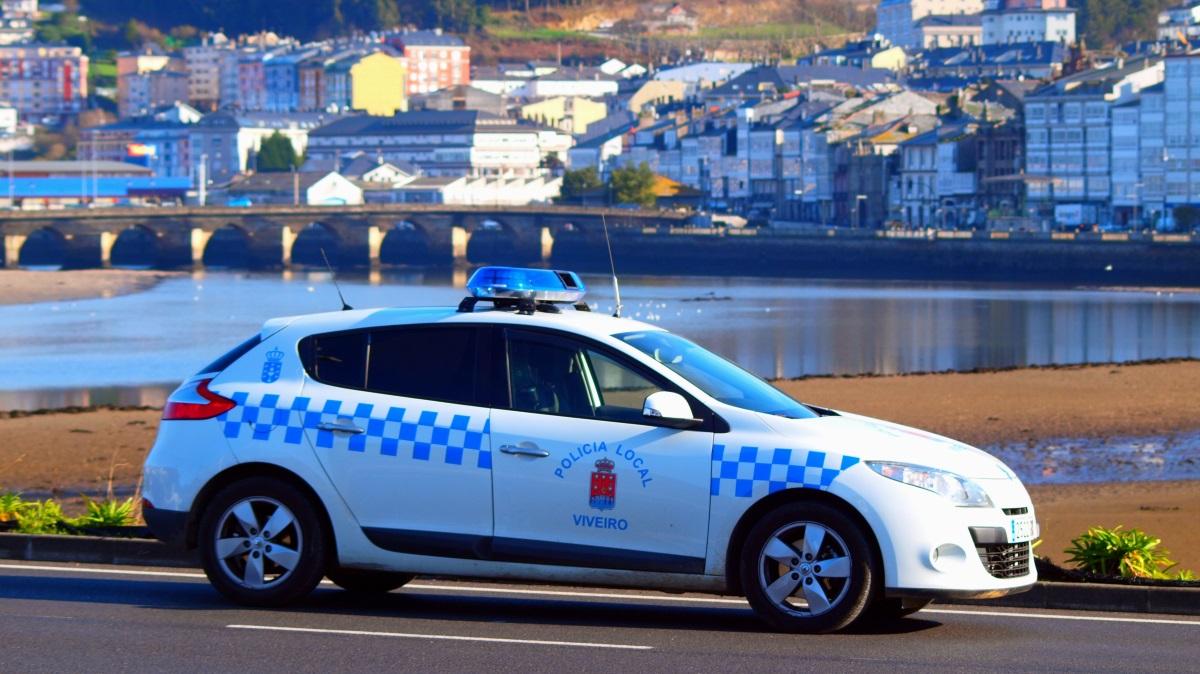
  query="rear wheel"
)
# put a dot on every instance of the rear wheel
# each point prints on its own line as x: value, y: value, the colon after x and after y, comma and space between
x: 807, y: 568
x: 262, y: 543
x: 359, y: 581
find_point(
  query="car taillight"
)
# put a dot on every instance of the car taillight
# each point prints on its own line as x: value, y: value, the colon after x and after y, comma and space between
x: 212, y: 405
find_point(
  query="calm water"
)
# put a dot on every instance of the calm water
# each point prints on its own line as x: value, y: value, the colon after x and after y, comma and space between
x: 131, y: 349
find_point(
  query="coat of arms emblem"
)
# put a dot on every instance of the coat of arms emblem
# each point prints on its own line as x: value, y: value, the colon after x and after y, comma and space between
x: 273, y: 367
x: 603, y: 495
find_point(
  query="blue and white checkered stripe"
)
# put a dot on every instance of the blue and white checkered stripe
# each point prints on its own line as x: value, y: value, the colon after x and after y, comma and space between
x: 756, y: 471
x: 409, y: 433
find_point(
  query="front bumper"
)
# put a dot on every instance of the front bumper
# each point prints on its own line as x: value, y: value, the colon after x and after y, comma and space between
x: 930, y: 548
x: 938, y: 593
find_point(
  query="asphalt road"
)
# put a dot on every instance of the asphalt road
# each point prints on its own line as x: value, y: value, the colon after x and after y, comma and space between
x: 101, y: 619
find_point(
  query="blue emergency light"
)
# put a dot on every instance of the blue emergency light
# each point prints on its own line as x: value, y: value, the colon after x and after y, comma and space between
x: 539, y: 285
x: 525, y: 290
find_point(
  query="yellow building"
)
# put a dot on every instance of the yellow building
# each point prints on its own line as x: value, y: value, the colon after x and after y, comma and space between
x: 893, y: 58
x: 568, y: 113
x: 377, y: 85
x: 655, y: 92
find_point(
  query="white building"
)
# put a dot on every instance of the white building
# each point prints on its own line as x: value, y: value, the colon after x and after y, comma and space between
x: 225, y: 143
x: 897, y: 20
x: 1009, y: 21
x: 1069, y: 135
x: 586, y: 83
x: 445, y: 142
x: 1182, y: 22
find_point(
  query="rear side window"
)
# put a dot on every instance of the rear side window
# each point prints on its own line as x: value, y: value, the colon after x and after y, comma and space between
x: 338, y: 359
x: 233, y: 354
x: 431, y: 363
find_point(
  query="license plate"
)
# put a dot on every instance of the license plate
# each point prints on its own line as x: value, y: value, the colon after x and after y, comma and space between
x: 1022, y: 529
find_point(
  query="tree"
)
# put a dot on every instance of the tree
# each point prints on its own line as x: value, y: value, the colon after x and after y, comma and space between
x: 276, y: 154
x: 633, y: 185
x: 575, y: 183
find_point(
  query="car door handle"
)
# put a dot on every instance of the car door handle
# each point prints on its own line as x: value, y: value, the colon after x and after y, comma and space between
x: 339, y: 427
x: 524, y: 451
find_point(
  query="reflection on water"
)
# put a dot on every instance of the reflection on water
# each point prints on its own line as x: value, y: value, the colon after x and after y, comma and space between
x: 1067, y: 460
x: 776, y: 328
x: 111, y: 396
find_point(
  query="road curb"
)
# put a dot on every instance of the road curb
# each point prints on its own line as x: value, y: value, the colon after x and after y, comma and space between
x: 93, y: 550
x: 1044, y: 595
x: 1101, y: 597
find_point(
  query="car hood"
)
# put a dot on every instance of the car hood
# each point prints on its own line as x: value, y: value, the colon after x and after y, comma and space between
x: 876, y: 440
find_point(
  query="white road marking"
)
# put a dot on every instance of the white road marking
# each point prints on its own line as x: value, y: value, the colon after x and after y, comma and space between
x: 1055, y: 616
x: 612, y: 595
x: 443, y: 637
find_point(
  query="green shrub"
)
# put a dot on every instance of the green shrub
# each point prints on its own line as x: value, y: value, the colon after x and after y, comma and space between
x: 10, y: 506
x: 41, y: 517
x: 1129, y: 554
x: 106, y: 513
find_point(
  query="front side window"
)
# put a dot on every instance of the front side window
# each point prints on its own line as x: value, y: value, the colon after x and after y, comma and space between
x: 559, y: 376
x: 716, y: 376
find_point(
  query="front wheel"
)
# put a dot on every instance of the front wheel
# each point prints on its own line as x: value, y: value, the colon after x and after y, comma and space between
x: 808, y: 568
x: 262, y: 543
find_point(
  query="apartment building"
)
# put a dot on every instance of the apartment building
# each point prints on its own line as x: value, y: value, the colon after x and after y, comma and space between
x: 225, y: 142
x: 148, y: 91
x: 1069, y: 139
x: 44, y: 81
x: 896, y: 20
x: 435, y: 59
x: 444, y: 143
x: 212, y: 72
x: 1013, y: 21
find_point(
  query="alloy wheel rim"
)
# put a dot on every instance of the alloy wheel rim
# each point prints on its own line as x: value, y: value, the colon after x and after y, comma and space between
x: 804, y: 569
x: 258, y: 542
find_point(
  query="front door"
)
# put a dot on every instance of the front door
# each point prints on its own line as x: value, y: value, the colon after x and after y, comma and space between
x: 392, y: 414
x: 581, y: 478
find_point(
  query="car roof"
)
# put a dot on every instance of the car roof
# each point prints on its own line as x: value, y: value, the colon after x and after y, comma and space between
x: 586, y: 323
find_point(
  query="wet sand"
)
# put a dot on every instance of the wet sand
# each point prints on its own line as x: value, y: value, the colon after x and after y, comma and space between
x: 65, y: 453
x: 20, y: 286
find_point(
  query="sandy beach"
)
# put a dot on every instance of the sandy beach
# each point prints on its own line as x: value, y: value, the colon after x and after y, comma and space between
x: 20, y: 286
x: 65, y: 453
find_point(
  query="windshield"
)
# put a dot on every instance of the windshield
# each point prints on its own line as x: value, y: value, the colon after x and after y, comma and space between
x: 714, y: 375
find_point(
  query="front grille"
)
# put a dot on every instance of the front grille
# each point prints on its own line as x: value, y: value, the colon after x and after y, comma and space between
x: 1015, y: 511
x: 1005, y: 560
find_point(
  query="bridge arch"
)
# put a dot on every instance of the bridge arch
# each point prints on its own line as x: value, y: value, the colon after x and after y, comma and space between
x: 135, y: 246
x: 406, y: 242
x: 229, y: 247
x: 44, y: 247
x: 310, y: 241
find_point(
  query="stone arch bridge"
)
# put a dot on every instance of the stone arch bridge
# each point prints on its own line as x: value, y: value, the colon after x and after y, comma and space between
x: 286, y: 236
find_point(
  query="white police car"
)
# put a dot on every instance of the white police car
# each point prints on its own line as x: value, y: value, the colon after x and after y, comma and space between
x: 532, y: 440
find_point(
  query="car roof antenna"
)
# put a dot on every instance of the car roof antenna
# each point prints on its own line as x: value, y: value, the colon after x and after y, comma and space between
x: 333, y: 276
x: 612, y: 265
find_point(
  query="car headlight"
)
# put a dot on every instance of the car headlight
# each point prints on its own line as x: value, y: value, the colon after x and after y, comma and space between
x: 957, y: 489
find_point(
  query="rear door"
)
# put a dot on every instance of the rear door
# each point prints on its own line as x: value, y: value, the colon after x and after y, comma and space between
x: 393, y: 416
x: 581, y: 478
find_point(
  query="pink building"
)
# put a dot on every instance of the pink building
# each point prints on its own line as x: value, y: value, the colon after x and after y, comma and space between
x: 435, y: 60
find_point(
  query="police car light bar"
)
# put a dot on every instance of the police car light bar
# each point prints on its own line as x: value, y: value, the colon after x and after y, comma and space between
x: 524, y: 288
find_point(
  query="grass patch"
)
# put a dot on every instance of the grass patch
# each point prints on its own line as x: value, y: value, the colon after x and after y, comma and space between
x: 767, y: 31
x: 535, y: 33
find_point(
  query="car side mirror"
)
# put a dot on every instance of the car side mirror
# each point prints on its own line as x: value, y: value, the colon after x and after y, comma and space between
x: 669, y: 409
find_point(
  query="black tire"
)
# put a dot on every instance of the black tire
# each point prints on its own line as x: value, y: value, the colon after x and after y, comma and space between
x: 808, y: 598
x: 250, y: 566
x: 360, y: 581
x: 883, y: 611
